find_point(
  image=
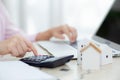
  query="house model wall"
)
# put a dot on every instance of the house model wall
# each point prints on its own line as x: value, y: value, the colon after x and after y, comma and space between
x: 90, y: 57
x: 106, y: 57
x: 93, y: 57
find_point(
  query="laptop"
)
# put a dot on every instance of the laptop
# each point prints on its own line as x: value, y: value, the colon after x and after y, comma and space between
x: 109, y: 31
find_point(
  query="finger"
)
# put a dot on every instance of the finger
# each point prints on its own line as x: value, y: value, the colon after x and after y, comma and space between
x: 19, y: 48
x: 73, y: 34
x: 14, y: 51
x: 30, y: 45
x: 12, y: 48
x: 67, y: 32
x: 24, y: 47
x: 29, y: 50
x: 59, y: 36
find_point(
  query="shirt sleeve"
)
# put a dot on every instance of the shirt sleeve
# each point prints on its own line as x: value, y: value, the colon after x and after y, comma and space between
x: 11, y: 28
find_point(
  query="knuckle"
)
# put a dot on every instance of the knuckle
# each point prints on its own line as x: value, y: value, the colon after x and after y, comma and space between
x: 21, y: 54
x: 64, y: 26
x: 14, y: 54
x: 9, y: 49
x: 74, y: 30
x: 16, y: 39
x: 12, y: 45
x: 13, y: 41
x: 26, y: 50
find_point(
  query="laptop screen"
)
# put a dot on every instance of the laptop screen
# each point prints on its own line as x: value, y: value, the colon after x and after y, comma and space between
x: 109, y: 31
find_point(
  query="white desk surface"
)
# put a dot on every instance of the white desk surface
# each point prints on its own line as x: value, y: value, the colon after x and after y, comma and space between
x: 71, y: 71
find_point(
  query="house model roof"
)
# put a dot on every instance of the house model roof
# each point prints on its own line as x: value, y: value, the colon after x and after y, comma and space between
x: 92, y: 45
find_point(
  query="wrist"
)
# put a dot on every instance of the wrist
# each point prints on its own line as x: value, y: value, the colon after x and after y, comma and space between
x: 49, y: 32
x: 46, y: 35
x: 3, y: 47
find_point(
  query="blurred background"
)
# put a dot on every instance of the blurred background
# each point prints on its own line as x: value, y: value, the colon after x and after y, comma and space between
x: 38, y: 15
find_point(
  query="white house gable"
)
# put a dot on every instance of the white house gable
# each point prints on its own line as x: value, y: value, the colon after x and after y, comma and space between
x: 90, y: 58
x: 93, y: 57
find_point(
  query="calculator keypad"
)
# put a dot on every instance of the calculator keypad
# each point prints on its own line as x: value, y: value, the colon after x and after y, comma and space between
x: 37, y: 58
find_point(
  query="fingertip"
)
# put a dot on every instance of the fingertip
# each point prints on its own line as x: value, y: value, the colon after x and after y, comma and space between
x: 62, y: 37
x: 34, y: 50
x: 35, y: 53
x: 72, y: 39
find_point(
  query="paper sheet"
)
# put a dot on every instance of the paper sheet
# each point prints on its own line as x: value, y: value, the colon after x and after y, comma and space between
x: 17, y: 70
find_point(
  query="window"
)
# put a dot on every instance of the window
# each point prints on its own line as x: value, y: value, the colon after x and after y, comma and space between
x: 38, y: 15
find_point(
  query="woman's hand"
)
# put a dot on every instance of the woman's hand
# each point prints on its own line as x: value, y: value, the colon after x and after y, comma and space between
x: 58, y: 33
x: 65, y: 29
x: 17, y: 46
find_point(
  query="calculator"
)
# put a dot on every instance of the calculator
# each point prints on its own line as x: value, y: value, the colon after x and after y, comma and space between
x: 47, y: 61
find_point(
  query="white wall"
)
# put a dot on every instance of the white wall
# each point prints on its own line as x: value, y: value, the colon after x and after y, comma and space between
x: 38, y: 15
x: 35, y: 15
x: 85, y: 15
x: 13, y: 9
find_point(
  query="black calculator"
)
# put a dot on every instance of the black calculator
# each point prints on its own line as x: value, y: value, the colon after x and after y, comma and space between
x: 47, y: 61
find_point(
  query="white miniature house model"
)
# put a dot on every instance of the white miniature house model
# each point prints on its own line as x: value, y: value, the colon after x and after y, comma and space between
x: 92, y: 57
